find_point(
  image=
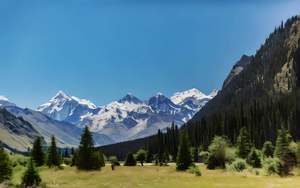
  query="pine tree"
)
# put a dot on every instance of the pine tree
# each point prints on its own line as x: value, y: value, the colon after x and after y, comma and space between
x: 141, y: 156
x: 283, y: 152
x: 130, y: 161
x: 243, y: 143
x: 184, y: 158
x: 5, y: 165
x: 268, y: 149
x: 31, y: 176
x: 254, y: 158
x: 87, y: 158
x: 53, y: 155
x: 37, y: 153
x: 74, y: 158
x: 67, y: 153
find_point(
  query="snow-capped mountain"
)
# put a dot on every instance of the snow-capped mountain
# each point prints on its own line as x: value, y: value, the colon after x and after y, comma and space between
x: 130, y: 117
x: 5, y: 102
x: 63, y: 107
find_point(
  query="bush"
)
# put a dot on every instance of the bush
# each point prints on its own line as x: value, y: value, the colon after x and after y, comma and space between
x: 130, y: 161
x: 230, y: 154
x: 194, y: 170
x: 271, y: 165
x: 238, y: 165
x: 67, y: 161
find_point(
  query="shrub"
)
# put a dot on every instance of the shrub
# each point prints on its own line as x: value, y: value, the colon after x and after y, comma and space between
x: 217, y: 152
x: 230, y: 154
x: 271, y: 165
x: 130, y: 161
x: 194, y: 170
x: 67, y: 161
x: 239, y: 165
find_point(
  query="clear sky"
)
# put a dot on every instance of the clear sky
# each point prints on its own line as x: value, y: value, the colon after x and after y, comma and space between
x: 101, y: 50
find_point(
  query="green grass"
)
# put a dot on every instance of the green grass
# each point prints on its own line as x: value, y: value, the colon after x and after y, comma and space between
x: 155, y: 176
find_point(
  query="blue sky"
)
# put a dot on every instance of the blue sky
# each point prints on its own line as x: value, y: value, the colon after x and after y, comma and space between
x: 101, y: 50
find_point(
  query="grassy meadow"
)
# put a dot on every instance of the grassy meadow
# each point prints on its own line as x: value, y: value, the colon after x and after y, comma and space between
x: 154, y: 176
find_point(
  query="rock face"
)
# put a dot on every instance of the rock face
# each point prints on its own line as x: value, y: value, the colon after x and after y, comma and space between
x: 130, y: 117
x: 237, y: 68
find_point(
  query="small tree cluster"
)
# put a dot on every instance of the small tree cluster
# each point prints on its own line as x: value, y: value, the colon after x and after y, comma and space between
x: 141, y: 156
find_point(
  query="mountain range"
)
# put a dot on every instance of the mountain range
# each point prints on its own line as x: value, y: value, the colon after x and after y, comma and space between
x: 128, y: 118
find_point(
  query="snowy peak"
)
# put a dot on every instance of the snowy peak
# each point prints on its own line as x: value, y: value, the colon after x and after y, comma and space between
x: 62, y: 107
x: 180, y: 98
x: 2, y: 98
x: 61, y: 95
x: 5, y: 102
x: 129, y: 98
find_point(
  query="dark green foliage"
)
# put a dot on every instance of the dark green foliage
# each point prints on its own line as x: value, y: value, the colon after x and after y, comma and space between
x: 254, y: 158
x: 31, y: 176
x: 184, y: 158
x: 53, y: 155
x: 141, y: 156
x: 68, y: 161
x: 217, y: 154
x: 268, y: 149
x: 74, y: 158
x: 37, y: 153
x: 283, y: 152
x: 243, y: 143
x: 87, y: 158
x: 130, y: 161
x: 67, y: 153
x: 239, y: 165
x: 5, y: 165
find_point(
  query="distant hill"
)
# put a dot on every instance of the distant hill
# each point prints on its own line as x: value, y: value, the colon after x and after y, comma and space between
x: 15, y: 132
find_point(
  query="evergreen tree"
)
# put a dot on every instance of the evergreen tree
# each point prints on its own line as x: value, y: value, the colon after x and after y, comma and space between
x: 37, y: 153
x: 87, y: 158
x: 53, y: 155
x: 31, y: 176
x: 141, y: 156
x: 130, y: 161
x: 67, y: 153
x: 243, y: 143
x: 5, y: 165
x: 254, y: 158
x: 74, y: 158
x: 184, y: 158
x: 283, y: 152
x: 268, y: 149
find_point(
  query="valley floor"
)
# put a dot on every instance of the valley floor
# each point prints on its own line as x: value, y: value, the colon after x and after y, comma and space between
x: 156, y: 176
